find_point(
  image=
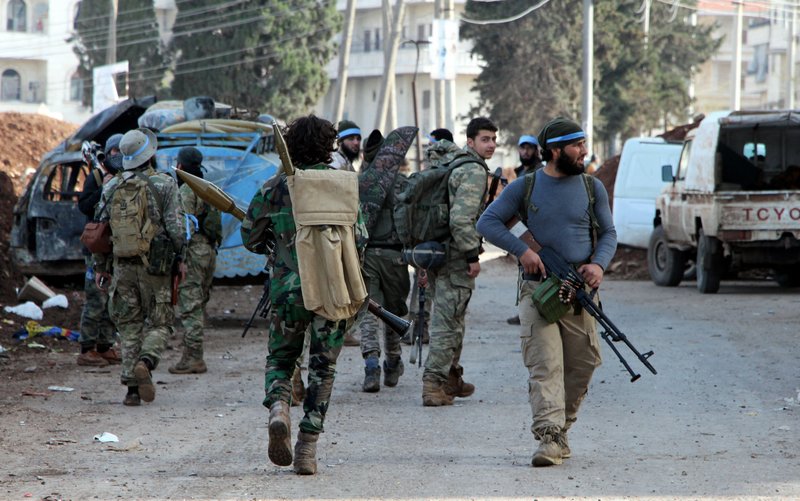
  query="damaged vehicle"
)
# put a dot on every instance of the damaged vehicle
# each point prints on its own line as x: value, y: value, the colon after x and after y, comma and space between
x: 238, y: 156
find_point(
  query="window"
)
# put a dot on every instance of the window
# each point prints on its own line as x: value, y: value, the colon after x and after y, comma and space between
x: 40, y: 17
x: 759, y: 65
x: 367, y: 40
x: 10, y: 88
x: 65, y: 182
x: 377, y: 39
x: 684, y: 162
x: 755, y: 152
x: 426, y: 99
x: 421, y: 32
x: 75, y: 87
x: 16, y: 14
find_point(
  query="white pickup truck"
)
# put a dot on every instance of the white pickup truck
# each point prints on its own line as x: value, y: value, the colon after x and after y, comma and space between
x: 733, y: 203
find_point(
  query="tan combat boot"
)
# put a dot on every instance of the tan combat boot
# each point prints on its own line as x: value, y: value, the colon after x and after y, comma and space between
x: 280, y: 434
x: 190, y: 363
x: 434, y: 395
x: 305, y: 453
x: 456, y: 386
x: 549, y: 452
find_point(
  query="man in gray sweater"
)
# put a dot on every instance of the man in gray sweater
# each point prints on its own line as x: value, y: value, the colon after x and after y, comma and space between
x: 561, y: 356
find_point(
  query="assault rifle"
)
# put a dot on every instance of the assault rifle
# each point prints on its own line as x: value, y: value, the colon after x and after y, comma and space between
x: 93, y: 155
x: 425, y: 256
x: 419, y: 327
x: 262, y: 308
x: 572, y: 290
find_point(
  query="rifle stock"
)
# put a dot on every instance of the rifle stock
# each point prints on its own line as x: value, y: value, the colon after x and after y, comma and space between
x: 558, y: 266
x: 262, y: 308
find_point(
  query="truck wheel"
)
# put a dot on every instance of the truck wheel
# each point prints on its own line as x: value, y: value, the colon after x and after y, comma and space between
x: 710, y: 264
x: 666, y: 266
x: 787, y: 277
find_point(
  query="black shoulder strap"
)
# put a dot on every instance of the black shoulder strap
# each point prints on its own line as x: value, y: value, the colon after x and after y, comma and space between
x: 527, y: 203
x: 594, y: 229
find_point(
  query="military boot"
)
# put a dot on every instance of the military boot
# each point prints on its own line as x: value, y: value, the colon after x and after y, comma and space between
x: 456, y: 386
x: 392, y: 370
x: 298, y: 388
x: 305, y: 453
x: 144, y: 379
x: 190, y: 363
x: 372, y: 375
x: 280, y: 434
x: 549, y: 452
x: 434, y: 395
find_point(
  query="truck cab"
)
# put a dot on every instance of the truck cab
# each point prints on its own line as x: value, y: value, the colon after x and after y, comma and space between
x: 732, y: 202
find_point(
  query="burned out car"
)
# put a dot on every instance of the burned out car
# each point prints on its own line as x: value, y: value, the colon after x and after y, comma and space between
x: 238, y: 156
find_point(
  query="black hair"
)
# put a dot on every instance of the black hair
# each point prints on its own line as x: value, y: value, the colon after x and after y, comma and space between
x: 310, y: 140
x: 478, y: 124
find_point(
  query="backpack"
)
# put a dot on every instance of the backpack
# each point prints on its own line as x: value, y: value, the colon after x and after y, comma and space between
x: 209, y: 223
x: 527, y: 202
x: 422, y: 203
x: 132, y: 230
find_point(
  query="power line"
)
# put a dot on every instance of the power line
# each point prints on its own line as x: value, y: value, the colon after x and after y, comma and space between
x: 484, y: 22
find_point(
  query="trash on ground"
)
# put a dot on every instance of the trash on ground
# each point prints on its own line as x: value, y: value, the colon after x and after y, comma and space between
x: 133, y: 445
x: 33, y: 329
x: 36, y: 345
x: 56, y: 301
x: 36, y: 290
x: 28, y: 310
x: 31, y: 393
x: 60, y: 388
x: 106, y: 437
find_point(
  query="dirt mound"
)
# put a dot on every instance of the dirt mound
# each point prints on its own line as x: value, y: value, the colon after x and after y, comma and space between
x: 25, y: 138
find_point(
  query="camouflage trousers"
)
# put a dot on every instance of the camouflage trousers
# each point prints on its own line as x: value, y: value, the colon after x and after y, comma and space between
x: 287, y: 331
x: 452, y: 292
x: 561, y: 358
x: 387, y: 282
x: 140, y: 305
x: 194, y: 292
x: 96, y: 326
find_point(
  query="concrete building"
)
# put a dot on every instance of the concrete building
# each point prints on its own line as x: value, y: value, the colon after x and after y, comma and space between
x: 37, y: 67
x: 366, y: 67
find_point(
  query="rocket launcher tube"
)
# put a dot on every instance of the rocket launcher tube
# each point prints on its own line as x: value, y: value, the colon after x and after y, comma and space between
x: 212, y: 194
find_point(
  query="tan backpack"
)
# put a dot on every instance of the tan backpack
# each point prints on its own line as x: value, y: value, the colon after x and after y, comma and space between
x: 325, y: 210
x: 132, y: 230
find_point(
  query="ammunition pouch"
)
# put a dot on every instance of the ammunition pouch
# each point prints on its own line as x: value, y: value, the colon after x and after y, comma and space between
x: 547, y: 302
x: 161, y: 256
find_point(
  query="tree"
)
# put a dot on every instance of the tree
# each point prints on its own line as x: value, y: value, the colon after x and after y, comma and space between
x: 137, y: 42
x: 533, y: 65
x: 260, y: 55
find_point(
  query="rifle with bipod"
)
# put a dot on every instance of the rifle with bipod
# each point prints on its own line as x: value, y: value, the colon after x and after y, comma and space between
x: 572, y: 290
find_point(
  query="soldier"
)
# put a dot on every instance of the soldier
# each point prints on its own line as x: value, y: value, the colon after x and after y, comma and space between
x: 442, y: 379
x: 201, y: 257
x: 147, y: 225
x: 387, y: 279
x: 269, y: 217
x: 97, y: 329
x: 349, y: 140
x: 560, y: 356
x: 530, y: 157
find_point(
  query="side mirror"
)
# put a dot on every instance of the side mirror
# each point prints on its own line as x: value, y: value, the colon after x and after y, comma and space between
x: 666, y: 174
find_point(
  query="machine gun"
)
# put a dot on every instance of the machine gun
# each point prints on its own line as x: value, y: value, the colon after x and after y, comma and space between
x: 572, y: 290
x: 425, y: 256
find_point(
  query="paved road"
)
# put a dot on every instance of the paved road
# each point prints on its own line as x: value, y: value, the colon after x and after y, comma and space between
x: 720, y: 420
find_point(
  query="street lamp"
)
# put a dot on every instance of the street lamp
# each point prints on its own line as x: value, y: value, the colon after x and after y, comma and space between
x: 416, y: 43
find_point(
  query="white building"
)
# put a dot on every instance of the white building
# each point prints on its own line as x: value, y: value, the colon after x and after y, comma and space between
x: 37, y: 67
x: 366, y: 67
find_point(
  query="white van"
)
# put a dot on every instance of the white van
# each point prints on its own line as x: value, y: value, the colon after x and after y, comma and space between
x: 637, y: 185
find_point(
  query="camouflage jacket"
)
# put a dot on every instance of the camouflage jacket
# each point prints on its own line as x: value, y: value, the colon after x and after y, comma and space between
x: 269, y: 227
x: 195, y: 206
x: 169, y: 217
x: 467, y: 184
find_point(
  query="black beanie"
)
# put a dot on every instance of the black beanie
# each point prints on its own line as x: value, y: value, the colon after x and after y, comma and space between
x: 374, y: 142
x: 560, y: 132
x: 440, y: 134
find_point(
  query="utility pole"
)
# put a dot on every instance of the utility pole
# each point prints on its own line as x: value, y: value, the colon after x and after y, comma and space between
x: 736, y: 95
x: 344, y: 59
x: 391, y: 78
x: 450, y: 85
x: 111, y: 49
x: 646, y: 21
x: 439, y: 85
x: 588, y: 72
x: 416, y: 43
x: 389, y: 68
x: 792, y: 56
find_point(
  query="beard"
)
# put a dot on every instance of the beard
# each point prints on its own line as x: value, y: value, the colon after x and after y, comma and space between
x: 350, y: 154
x: 569, y: 166
x: 529, y: 162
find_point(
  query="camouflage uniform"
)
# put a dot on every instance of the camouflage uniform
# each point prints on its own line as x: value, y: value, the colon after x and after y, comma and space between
x: 452, y: 286
x: 96, y: 326
x: 140, y: 303
x: 194, y: 292
x: 269, y: 218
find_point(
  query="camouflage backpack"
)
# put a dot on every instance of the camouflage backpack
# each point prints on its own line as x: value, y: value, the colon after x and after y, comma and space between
x: 422, y: 203
x: 210, y: 224
x: 132, y: 230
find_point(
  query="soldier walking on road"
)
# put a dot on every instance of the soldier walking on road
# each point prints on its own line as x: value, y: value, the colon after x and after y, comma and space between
x: 269, y: 218
x: 201, y: 258
x: 453, y: 283
x: 560, y: 356
x: 97, y: 329
x: 147, y: 226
